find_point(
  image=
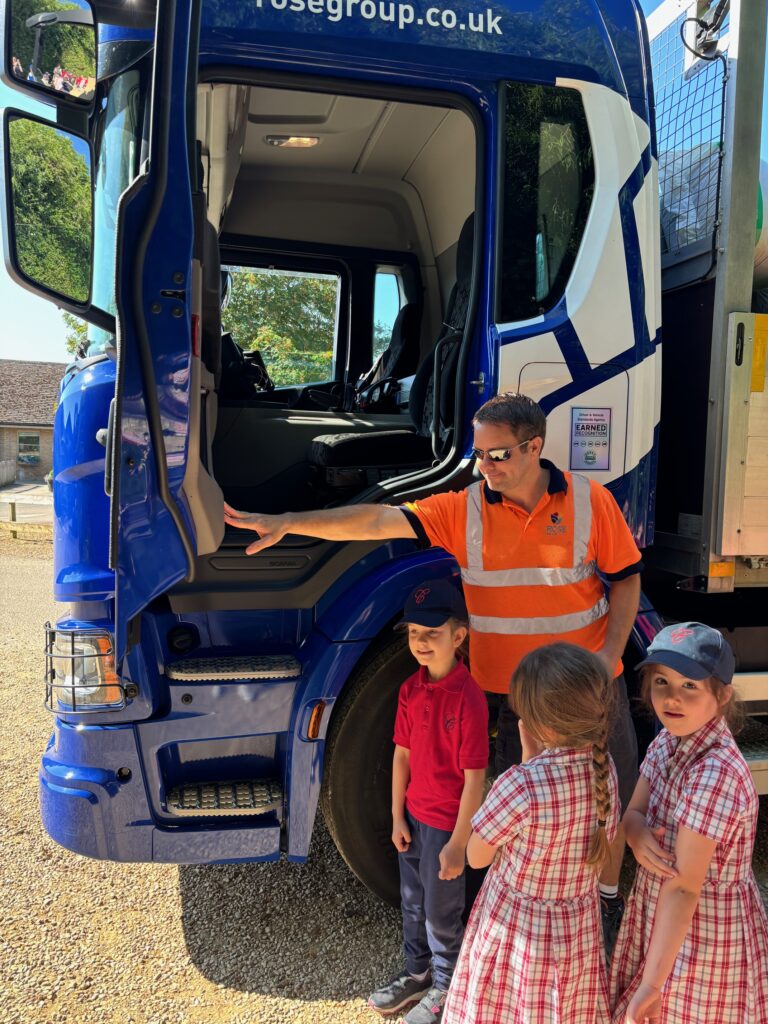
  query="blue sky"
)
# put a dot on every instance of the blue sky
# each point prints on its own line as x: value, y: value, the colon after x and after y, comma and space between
x: 33, y: 328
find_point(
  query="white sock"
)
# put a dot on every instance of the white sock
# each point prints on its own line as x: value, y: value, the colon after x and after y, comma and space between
x: 610, y: 892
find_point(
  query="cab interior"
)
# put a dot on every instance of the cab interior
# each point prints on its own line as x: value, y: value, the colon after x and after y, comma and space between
x: 344, y: 227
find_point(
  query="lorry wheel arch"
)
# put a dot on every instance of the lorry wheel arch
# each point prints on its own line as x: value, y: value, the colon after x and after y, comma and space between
x: 356, y: 793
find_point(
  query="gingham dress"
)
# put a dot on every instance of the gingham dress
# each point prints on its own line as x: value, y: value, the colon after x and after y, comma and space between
x: 533, y: 950
x: 720, y: 975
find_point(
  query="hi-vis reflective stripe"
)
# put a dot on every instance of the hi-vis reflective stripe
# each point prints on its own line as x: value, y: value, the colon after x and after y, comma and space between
x: 545, y: 624
x: 527, y: 577
x: 477, y: 576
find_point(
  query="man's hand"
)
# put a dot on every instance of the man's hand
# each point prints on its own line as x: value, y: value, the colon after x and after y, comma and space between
x: 645, y: 844
x: 451, y: 861
x: 645, y: 1005
x: 531, y: 747
x: 609, y: 659
x: 401, y: 835
x: 270, y: 529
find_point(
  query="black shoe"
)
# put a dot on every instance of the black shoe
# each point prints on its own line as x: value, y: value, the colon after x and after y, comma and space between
x: 611, y: 912
x: 398, y: 992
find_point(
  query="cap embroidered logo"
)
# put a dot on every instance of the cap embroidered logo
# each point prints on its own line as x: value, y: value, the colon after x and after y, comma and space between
x: 421, y: 595
x: 679, y: 635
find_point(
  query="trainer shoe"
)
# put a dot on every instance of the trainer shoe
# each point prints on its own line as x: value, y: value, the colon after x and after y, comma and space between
x: 611, y: 912
x: 398, y: 992
x: 429, y: 1010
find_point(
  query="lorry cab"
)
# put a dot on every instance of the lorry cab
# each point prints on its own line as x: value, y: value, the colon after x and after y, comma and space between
x: 323, y: 233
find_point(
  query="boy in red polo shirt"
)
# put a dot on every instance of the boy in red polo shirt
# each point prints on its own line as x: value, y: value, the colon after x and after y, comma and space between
x: 438, y: 773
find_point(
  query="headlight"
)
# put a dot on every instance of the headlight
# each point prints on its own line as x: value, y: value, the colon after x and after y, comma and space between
x: 80, y: 672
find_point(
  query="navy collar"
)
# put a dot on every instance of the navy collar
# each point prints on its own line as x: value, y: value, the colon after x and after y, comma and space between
x: 557, y: 483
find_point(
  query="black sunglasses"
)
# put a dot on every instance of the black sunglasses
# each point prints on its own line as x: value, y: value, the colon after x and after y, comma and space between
x: 498, y: 454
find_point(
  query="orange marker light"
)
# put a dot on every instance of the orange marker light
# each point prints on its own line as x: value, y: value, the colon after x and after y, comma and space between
x: 313, y: 729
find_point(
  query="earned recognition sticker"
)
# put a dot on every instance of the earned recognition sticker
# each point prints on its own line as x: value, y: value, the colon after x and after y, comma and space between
x: 590, y: 438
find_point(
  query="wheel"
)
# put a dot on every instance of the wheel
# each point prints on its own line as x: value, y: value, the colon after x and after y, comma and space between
x: 357, y: 778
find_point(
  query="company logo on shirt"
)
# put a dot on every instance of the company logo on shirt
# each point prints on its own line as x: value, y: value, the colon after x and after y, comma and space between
x: 557, y: 525
x: 449, y: 722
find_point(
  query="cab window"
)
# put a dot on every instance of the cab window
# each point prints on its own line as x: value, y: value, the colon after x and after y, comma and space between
x: 548, y: 183
x: 387, y: 302
x: 290, y: 316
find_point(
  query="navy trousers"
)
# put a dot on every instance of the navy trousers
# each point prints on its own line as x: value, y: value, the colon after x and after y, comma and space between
x: 432, y: 908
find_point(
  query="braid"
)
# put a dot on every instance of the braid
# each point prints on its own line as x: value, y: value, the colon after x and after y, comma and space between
x: 568, y: 693
x: 598, y: 845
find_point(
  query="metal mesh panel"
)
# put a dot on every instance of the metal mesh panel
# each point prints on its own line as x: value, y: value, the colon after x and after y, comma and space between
x: 689, y: 134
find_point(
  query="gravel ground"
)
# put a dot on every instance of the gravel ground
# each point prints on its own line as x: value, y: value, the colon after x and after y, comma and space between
x: 89, y: 942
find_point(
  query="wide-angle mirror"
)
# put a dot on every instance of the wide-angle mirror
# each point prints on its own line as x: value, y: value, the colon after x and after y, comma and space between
x: 52, y: 48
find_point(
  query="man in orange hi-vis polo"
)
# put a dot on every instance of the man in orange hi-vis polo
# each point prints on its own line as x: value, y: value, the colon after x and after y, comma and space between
x: 530, y: 541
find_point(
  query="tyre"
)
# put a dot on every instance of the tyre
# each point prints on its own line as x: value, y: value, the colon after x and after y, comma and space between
x: 357, y: 778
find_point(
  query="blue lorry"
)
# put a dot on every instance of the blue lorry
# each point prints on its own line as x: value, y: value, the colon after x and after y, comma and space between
x: 448, y: 202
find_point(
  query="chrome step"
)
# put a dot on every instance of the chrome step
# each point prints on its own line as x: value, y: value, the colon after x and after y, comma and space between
x: 225, y: 799
x: 753, y: 743
x: 257, y: 666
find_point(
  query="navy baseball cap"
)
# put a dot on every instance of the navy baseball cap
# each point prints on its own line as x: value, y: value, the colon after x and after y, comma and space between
x: 694, y: 650
x: 433, y: 603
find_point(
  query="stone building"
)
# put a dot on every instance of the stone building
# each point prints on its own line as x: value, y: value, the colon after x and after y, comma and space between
x: 29, y: 393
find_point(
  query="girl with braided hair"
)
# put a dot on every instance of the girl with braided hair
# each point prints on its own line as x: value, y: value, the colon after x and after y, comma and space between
x: 533, y: 951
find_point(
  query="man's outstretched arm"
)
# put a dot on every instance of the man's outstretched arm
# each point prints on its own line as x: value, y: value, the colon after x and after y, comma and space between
x: 352, y: 522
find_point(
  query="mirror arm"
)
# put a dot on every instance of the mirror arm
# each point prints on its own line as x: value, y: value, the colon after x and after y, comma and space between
x: 94, y: 315
x: 72, y: 119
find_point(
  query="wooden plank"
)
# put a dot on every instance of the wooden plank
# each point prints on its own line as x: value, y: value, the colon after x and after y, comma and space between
x: 753, y: 540
x: 751, y: 686
x: 755, y: 512
x: 757, y: 451
x: 756, y: 481
x: 758, y: 414
x: 760, y: 778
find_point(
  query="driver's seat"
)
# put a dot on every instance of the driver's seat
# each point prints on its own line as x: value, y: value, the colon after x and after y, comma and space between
x: 349, y: 460
x: 401, y: 356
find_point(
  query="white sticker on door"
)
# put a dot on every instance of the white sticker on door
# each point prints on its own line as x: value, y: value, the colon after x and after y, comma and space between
x: 590, y: 438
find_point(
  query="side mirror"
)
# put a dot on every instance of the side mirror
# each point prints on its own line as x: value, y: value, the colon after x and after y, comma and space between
x: 51, y: 49
x: 50, y: 208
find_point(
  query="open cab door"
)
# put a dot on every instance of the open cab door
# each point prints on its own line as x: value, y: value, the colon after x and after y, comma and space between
x: 121, y: 214
x: 165, y: 507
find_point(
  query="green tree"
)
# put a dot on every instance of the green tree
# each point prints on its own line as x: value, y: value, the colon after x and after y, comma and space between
x: 77, y: 331
x: 289, y: 317
x: 51, y: 208
x: 382, y: 335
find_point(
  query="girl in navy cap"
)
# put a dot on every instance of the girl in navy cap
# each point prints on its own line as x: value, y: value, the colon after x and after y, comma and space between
x: 693, y: 945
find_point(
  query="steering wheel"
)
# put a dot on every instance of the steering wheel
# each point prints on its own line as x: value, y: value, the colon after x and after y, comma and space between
x: 257, y: 371
x: 379, y: 396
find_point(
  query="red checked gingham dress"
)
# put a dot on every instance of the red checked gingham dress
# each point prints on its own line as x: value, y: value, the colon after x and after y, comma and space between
x: 533, y: 950
x: 720, y: 975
